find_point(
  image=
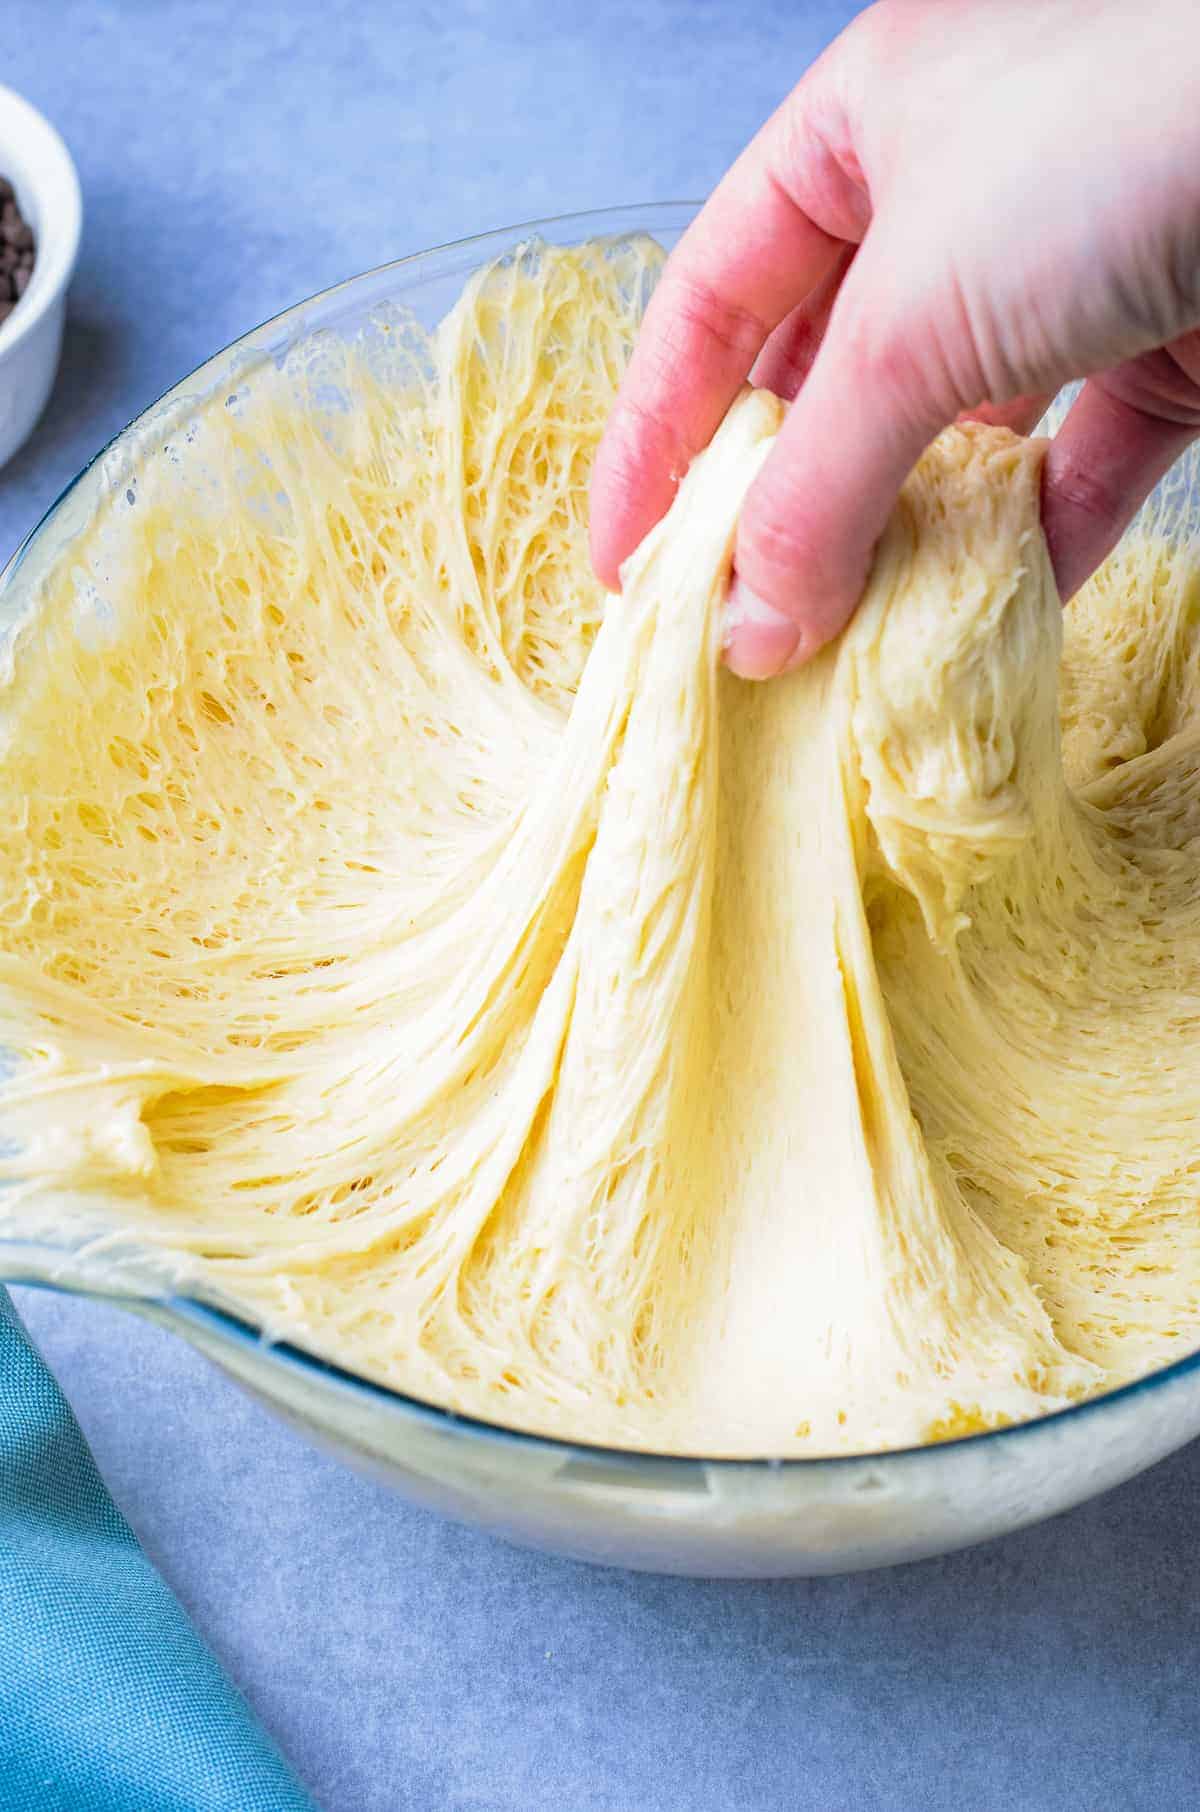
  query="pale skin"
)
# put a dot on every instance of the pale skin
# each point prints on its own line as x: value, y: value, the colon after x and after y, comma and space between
x: 964, y: 205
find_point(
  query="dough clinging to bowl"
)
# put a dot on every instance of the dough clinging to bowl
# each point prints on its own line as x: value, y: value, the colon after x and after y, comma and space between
x: 456, y: 971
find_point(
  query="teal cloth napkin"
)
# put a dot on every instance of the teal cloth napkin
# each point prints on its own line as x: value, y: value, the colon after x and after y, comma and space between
x: 109, y: 1701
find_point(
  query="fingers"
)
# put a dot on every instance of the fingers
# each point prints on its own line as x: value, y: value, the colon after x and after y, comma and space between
x: 858, y: 425
x: 759, y: 640
x: 788, y: 356
x: 1124, y: 431
x: 865, y: 413
x: 751, y: 255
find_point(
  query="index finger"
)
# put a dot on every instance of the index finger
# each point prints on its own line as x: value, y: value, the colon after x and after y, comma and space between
x: 751, y: 254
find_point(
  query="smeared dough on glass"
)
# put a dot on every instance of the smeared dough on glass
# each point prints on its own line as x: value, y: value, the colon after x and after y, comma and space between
x: 458, y: 973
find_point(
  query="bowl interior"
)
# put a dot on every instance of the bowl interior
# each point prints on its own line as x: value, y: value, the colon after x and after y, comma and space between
x: 426, y: 286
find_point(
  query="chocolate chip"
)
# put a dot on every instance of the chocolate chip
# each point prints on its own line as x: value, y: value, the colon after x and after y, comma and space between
x: 18, y: 250
x: 12, y: 228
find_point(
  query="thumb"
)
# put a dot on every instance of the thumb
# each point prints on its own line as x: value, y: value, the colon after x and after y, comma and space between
x: 875, y: 397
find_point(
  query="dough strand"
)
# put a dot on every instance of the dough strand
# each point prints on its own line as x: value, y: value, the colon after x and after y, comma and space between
x: 455, y: 971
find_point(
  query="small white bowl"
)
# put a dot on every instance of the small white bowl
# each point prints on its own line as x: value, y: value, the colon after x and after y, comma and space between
x: 39, y: 166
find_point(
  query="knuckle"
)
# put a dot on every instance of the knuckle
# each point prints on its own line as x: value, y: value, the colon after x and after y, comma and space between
x: 1186, y: 351
x: 781, y: 554
x: 817, y: 166
x: 1084, y: 491
x: 774, y: 540
x: 693, y: 313
x: 1162, y: 385
x: 1184, y: 356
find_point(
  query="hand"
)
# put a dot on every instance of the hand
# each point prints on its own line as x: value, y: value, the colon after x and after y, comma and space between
x: 959, y: 209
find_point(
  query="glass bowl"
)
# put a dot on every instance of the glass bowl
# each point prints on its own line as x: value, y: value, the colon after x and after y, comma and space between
x: 710, y: 1517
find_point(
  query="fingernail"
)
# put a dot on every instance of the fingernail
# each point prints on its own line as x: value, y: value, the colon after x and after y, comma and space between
x: 759, y: 641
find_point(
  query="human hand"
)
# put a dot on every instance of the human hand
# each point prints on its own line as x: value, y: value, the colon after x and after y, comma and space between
x: 960, y: 208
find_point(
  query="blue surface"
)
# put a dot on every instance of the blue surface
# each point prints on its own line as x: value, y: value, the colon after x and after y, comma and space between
x: 233, y: 159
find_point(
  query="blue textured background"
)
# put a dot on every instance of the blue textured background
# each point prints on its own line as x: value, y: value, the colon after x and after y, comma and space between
x: 235, y: 157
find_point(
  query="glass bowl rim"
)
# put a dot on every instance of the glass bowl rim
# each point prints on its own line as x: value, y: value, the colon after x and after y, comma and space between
x: 207, y: 1318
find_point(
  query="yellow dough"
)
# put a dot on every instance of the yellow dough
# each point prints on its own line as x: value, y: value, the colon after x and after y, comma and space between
x: 457, y: 972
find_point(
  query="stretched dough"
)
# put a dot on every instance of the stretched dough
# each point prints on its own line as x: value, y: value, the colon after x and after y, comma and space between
x: 460, y: 974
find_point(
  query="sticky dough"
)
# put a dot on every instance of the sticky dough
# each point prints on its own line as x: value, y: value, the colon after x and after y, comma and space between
x: 457, y: 972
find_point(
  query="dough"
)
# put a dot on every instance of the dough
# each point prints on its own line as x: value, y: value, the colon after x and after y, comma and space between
x: 457, y: 972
